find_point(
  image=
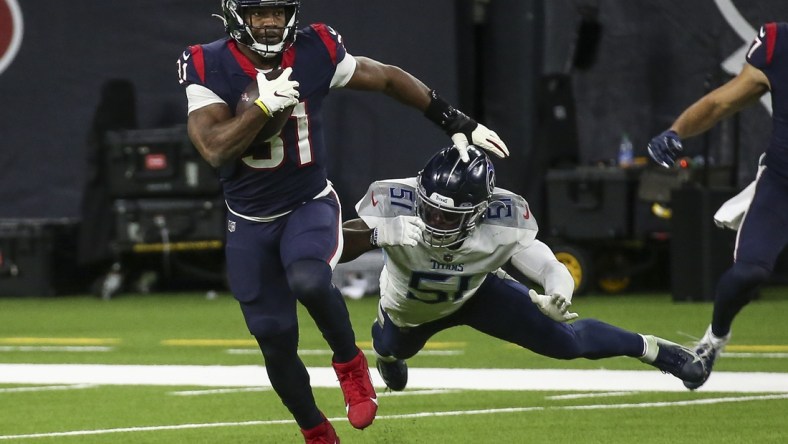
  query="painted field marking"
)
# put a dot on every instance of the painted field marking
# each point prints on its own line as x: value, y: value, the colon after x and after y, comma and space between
x: 756, y: 348
x: 587, y: 395
x: 268, y: 389
x: 417, y: 392
x: 56, y: 348
x: 146, y: 429
x: 210, y: 342
x: 252, y: 343
x: 59, y: 341
x: 46, y: 388
x: 419, y: 378
x: 706, y: 401
x: 755, y: 355
x: 220, y: 391
x: 321, y: 352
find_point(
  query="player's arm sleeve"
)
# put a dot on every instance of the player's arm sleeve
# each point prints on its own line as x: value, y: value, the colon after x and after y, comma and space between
x: 341, y: 64
x: 199, y: 96
x: 762, y: 49
x: 371, y: 207
x: 344, y: 72
x: 538, y: 263
x: 191, y: 73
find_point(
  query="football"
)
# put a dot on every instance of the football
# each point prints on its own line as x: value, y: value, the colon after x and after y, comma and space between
x: 275, y: 123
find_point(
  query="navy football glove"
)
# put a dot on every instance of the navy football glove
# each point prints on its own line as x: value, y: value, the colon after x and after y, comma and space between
x: 665, y: 148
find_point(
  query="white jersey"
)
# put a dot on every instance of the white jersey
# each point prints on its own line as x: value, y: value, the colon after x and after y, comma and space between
x: 423, y: 283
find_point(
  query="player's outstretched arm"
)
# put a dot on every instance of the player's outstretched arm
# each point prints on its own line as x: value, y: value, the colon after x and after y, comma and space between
x: 730, y: 98
x: 357, y: 237
x: 538, y: 263
x: 371, y: 75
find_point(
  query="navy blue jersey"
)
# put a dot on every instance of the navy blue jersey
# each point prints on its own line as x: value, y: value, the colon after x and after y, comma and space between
x: 273, y: 177
x: 769, y: 53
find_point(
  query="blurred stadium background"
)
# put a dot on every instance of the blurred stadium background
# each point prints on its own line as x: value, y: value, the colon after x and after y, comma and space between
x: 96, y: 172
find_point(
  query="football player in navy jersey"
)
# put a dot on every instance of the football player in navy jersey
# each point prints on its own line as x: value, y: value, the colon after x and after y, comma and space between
x: 763, y: 231
x: 283, y: 227
x: 446, y: 233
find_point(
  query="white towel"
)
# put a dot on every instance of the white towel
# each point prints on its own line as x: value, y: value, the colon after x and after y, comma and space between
x: 731, y: 213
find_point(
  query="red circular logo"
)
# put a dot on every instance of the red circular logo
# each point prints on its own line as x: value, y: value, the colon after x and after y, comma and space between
x: 10, y: 32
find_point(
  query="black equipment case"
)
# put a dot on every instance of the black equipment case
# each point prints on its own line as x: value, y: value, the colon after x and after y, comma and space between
x: 157, y: 162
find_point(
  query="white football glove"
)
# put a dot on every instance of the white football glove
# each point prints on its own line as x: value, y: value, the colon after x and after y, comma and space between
x: 483, y: 138
x: 555, y: 306
x: 277, y: 94
x: 395, y: 231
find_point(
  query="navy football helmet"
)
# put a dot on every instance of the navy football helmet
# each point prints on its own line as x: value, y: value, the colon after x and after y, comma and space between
x: 453, y: 196
x: 240, y: 31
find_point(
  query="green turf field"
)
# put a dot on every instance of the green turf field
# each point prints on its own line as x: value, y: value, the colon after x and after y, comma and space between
x: 190, y: 329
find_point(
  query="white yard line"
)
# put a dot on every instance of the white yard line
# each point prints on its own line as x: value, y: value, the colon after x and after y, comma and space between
x: 265, y: 389
x: 55, y: 348
x: 386, y: 393
x: 587, y: 395
x: 255, y: 351
x: 419, y: 378
x: 705, y: 401
x: 46, y: 388
x: 767, y: 355
x: 220, y: 391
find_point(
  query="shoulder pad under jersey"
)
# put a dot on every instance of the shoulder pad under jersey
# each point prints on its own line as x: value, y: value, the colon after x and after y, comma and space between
x: 511, y: 210
x: 331, y: 40
x: 389, y: 198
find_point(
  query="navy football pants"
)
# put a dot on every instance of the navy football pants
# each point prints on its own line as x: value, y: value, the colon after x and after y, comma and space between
x: 502, y: 308
x: 762, y: 236
x: 270, y: 266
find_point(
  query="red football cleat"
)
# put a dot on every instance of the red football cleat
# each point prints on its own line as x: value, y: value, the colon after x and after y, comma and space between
x: 361, y: 401
x: 323, y: 433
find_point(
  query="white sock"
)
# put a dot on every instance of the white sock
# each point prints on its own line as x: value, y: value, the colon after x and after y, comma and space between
x: 649, y: 353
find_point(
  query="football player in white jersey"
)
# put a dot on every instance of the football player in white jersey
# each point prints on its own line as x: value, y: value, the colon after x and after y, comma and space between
x: 445, y: 234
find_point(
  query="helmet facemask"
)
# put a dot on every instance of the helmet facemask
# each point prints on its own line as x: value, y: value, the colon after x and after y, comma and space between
x: 445, y: 224
x: 238, y: 29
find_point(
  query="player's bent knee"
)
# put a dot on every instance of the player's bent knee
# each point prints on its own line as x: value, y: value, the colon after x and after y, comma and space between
x: 309, y: 279
x: 748, y: 274
x: 269, y: 326
x: 280, y: 345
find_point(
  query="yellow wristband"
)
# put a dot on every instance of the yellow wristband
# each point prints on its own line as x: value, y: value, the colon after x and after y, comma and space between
x: 262, y: 106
